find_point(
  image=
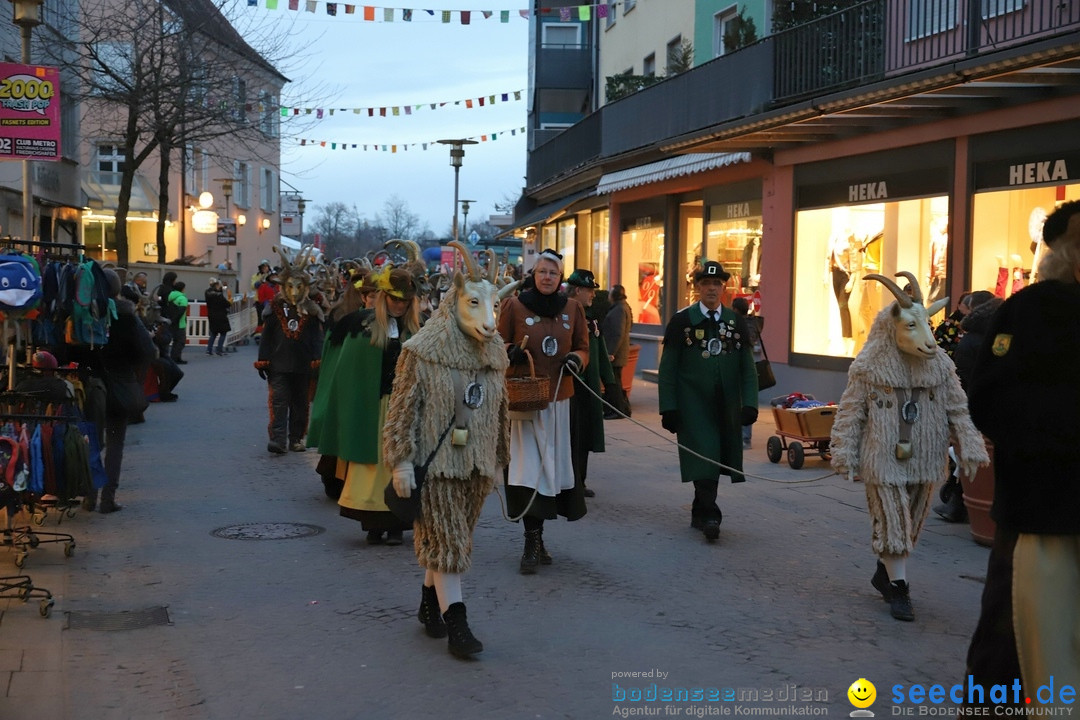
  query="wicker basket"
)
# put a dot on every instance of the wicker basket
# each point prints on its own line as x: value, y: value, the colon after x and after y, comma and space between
x: 530, y: 393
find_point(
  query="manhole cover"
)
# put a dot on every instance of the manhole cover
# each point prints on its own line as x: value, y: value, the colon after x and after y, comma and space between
x: 267, y: 531
x: 124, y: 620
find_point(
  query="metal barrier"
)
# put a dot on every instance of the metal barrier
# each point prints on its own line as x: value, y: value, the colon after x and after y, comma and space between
x: 243, y: 319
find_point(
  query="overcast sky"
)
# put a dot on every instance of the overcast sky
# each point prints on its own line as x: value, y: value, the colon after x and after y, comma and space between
x: 344, y: 62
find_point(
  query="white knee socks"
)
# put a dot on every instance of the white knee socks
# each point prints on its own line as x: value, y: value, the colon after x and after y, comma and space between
x: 896, y: 565
x: 448, y: 587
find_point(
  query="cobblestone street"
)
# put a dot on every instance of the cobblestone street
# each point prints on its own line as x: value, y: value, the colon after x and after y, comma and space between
x: 323, y: 625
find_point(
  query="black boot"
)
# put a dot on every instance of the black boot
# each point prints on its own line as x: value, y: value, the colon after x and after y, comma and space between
x: 463, y: 643
x: 429, y: 613
x: 530, y: 557
x: 541, y: 552
x: 880, y: 581
x: 900, y: 602
x: 953, y: 510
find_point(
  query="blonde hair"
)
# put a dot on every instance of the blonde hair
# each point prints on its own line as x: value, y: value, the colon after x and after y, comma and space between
x: 380, y: 329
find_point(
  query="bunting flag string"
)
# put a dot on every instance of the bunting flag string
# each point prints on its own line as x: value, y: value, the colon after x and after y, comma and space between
x: 369, y: 13
x: 397, y: 110
x: 400, y: 147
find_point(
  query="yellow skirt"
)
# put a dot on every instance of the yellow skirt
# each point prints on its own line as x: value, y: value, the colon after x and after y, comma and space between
x: 364, y: 484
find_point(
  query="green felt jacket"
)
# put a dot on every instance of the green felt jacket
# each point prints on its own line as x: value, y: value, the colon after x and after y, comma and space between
x: 708, y: 390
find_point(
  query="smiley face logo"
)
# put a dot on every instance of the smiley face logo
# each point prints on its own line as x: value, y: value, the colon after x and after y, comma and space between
x: 862, y: 693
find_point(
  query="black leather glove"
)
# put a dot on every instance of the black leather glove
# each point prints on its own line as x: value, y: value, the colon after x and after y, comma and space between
x: 516, y: 355
x: 749, y: 415
x: 670, y: 420
x: 573, y: 363
x: 263, y: 374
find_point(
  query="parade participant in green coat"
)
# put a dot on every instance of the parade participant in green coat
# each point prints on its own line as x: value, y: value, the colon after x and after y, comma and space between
x: 586, y: 408
x: 349, y: 409
x: 708, y: 391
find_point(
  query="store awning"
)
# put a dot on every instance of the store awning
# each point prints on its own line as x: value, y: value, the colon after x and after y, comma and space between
x: 104, y: 198
x: 672, y: 167
x: 544, y: 212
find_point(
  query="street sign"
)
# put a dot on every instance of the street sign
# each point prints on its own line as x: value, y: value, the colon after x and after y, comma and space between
x: 755, y: 302
x: 29, y: 112
x: 474, y: 237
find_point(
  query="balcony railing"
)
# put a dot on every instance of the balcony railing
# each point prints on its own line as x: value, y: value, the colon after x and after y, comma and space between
x: 873, y: 41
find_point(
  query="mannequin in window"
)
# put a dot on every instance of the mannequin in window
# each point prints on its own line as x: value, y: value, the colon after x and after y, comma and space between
x: 842, y: 262
x: 939, y: 258
x: 1009, y: 282
x: 751, y: 264
x: 649, y: 294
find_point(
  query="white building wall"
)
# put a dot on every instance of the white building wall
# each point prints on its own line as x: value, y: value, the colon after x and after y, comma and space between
x: 646, y: 29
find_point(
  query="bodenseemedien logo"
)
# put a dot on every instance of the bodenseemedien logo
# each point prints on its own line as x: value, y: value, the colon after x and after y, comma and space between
x: 861, y: 695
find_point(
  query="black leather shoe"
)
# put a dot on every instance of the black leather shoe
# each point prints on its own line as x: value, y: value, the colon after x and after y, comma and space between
x: 711, y: 529
x: 374, y: 537
x: 275, y: 448
x: 589, y: 493
x: 105, y: 509
x: 393, y: 537
x: 180, y: 362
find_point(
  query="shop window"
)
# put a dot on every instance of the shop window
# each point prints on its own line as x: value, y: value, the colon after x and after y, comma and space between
x: 601, y: 246
x: 565, y: 241
x: 835, y: 248
x: 642, y: 269
x: 734, y: 240
x: 1006, y: 237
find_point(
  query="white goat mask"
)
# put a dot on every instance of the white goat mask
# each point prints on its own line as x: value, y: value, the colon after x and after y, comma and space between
x: 914, y: 335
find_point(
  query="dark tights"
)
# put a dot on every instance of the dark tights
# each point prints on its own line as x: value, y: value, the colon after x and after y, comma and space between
x: 533, y: 523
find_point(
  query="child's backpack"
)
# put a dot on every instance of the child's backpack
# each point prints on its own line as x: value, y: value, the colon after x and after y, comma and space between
x: 20, y: 282
x: 91, y: 309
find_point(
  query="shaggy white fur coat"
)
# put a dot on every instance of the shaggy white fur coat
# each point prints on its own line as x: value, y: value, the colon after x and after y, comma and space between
x: 867, y: 424
x: 422, y: 403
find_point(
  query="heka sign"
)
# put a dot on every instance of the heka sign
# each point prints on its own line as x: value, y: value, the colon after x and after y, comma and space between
x: 29, y: 112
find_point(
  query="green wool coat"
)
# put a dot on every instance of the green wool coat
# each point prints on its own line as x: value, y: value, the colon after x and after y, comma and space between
x: 709, y: 391
x: 345, y: 412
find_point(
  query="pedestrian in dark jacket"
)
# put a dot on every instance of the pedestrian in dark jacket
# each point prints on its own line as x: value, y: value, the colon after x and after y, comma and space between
x: 1025, y: 397
x: 217, y: 313
x: 124, y: 359
x: 615, y: 327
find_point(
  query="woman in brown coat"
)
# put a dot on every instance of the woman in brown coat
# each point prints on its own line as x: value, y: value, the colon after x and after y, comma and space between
x: 540, y: 479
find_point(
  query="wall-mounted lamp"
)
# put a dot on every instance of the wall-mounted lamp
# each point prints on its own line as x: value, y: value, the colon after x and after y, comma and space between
x: 264, y: 225
x: 241, y: 219
x: 206, y: 200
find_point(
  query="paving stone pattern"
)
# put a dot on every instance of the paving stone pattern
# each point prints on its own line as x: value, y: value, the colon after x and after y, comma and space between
x: 324, y: 626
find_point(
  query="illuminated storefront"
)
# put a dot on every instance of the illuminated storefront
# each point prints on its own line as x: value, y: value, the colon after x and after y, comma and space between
x: 1019, y: 178
x: 878, y: 213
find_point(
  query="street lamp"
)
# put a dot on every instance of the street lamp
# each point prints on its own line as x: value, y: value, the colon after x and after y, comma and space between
x: 301, y: 206
x: 26, y: 17
x: 457, y: 152
x: 465, y: 220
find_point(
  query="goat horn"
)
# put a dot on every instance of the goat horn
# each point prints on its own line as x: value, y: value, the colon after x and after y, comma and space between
x: 507, y: 290
x: 470, y: 261
x: 916, y: 292
x: 493, y: 266
x: 902, y: 298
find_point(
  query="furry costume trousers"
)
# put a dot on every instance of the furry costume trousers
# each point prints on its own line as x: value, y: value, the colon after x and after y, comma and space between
x: 1046, y: 616
x: 289, y: 406
x: 897, y: 514
x: 449, y: 511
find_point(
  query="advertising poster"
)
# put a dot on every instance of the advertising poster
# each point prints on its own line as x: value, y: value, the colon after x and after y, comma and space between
x: 29, y: 112
x: 226, y: 232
